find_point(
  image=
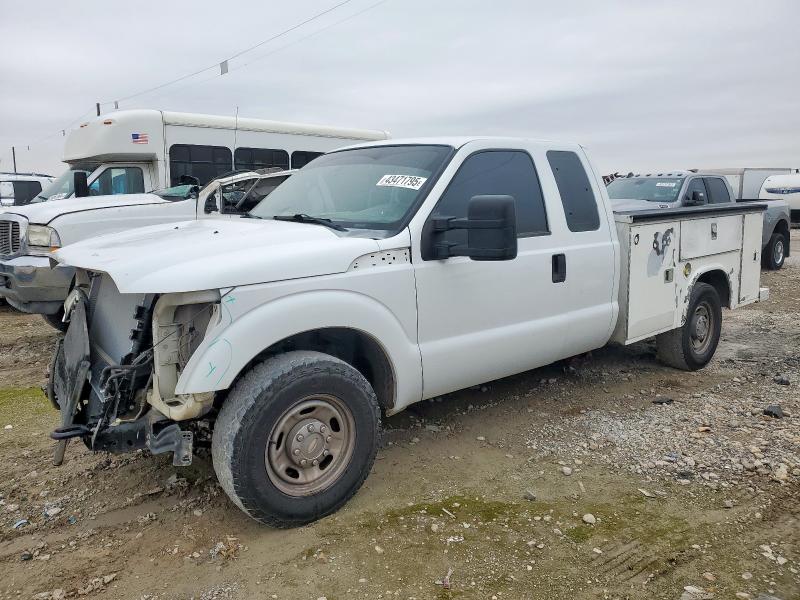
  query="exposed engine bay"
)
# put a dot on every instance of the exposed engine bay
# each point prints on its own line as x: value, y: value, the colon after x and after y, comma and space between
x: 114, y: 373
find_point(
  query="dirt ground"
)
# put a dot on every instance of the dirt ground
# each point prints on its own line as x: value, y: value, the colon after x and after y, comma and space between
x: 609, y: 476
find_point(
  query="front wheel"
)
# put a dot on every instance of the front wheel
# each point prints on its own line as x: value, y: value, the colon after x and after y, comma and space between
x: 775, y: 252
x: 296, y: 438
x: 692, y: 346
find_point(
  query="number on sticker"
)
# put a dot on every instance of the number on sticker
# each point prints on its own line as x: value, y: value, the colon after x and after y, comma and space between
x: 411, y: 182
x: 665, y: 184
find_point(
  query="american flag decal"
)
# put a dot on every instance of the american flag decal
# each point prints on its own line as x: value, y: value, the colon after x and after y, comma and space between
x: 140, y: 138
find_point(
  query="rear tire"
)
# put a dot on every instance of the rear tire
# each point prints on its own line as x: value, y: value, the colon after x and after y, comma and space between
x: 298, y: 407
x: 775, y: 252
x: 56, y: 320
x: 692, y: 346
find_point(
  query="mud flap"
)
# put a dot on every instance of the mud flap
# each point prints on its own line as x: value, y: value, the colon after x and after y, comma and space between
x: 70, y: 370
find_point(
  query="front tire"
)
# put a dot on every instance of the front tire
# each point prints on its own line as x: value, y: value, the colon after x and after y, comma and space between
x: 775, y: 252
x: 296, y: 438
x: 692, y: 346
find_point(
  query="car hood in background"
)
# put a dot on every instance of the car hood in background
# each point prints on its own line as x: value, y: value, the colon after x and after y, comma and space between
x: 215, y: 253
x: 44, y: 212
x: 633, y: 204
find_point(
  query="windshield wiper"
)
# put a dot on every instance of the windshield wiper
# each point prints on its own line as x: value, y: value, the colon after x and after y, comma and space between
x: 304, y: 218
x: 250, y: 216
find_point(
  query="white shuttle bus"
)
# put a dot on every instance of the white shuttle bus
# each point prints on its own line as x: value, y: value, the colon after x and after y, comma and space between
x: 133, y: 151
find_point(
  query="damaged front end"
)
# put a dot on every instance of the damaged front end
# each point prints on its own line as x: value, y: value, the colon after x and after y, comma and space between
x: 113, y: 374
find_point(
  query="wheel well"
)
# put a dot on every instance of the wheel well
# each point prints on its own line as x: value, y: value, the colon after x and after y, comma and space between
x: 719, y: 281
x: 356, y: 348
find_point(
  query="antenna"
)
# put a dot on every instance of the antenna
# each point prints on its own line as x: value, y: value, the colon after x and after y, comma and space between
x: 235, y: 131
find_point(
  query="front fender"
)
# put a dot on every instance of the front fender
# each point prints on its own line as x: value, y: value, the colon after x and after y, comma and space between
x: 238, y: 338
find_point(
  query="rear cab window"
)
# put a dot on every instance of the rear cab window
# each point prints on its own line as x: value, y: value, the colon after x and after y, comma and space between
x: 577, y: 196
x: 717, y: 191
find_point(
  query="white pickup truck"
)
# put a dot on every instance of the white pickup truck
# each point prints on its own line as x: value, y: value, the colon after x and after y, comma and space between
x: 29, y: 234
x: 377, y: 276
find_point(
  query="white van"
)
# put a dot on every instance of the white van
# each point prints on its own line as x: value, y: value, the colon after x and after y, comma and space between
x: 785, y: 187
x: 133, y: 151
x: 19, y: 189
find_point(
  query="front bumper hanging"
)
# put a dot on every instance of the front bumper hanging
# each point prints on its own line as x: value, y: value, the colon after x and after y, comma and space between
x: 70, y: 372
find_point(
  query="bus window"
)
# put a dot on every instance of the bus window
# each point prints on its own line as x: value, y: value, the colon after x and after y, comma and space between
x: 252, y: 159
x: 202, y: 162
x: 301, y: 158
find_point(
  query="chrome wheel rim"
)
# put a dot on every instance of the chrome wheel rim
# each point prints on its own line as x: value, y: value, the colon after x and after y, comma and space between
x: 310, y: 445
x: 778, y: 252
x: 702, y: 327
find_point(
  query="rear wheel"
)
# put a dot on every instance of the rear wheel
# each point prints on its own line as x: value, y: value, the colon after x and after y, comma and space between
x: 692, y: 346
x: 56, y: 320
x: 775, y: 252
x: 296, y: 438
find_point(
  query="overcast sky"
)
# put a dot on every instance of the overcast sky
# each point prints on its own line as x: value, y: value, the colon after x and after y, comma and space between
x: 643, y: 85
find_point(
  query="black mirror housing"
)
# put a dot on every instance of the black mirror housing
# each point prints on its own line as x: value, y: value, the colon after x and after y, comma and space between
x: 697, y: 198
x: 80, y: 183
x: 491, y: 226
x: 210, y: 204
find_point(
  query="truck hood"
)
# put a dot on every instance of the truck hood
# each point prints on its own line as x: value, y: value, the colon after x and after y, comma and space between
x: 214, y: 253
x: 622, y: 204
x: 44, y: 212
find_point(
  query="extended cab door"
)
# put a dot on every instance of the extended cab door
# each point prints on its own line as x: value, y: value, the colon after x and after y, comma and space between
x: 478, y: 320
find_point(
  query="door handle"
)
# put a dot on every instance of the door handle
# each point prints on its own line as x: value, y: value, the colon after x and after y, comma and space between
x: 559, y: 268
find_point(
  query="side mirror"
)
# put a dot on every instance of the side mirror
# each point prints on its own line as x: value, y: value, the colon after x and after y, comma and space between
x: 697, y: 199
x: 491, y: 226
x: 80, y: 184
x: 211, y: 204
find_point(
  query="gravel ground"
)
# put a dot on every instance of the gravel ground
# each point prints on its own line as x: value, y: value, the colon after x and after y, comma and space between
x: 608, y: 476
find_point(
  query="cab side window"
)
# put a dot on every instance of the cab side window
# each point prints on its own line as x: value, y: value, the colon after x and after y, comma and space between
x: 717, y: 191
x: 496, y: 172
x: 695, y: 185
x: 577, y: 197
x: 118, y: 180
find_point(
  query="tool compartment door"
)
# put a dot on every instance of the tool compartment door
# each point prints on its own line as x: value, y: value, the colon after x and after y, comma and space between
x: 710, y: 235
x: 652, y: 256
x: 750, y: 273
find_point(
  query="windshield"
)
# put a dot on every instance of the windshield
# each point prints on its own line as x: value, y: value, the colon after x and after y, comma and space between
x: 177, y: 192
x: 61, y: 187
x: 652, y: 189
x: 364, y: 188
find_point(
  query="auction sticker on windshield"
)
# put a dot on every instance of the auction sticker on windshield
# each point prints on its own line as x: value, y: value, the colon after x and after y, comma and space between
x: 411, y: 182
x: 665, y: 184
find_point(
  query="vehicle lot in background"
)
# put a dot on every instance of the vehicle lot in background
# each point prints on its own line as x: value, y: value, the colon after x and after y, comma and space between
x: 746, y: 182
x: 168, y: 532
x: 130, y: 151
x: 18, y: 189
x: 677, y: 189
x: 30, y: 283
